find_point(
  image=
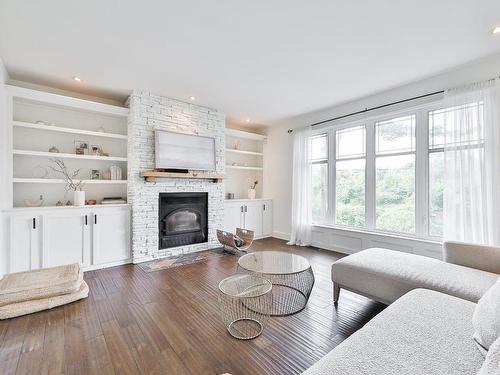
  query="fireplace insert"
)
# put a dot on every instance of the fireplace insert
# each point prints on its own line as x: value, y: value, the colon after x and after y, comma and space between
x: 182, y: 219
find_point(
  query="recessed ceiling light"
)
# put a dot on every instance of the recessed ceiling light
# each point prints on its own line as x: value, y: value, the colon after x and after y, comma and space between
x: 247, y: 120
x: 77, y: 79
x: 496, y: 30
x: 192, y: 98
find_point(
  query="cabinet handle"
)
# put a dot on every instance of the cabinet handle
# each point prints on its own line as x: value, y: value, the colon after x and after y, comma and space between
x: 241, y: 208
x: 86, y: 220
x: 34, y: 223
x: 95, y: 219
x: 246, y: 209
x: 264, y: 207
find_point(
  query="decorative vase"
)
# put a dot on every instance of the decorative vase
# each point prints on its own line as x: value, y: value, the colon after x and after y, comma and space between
x: 79, y: 198
x: 251, y: 193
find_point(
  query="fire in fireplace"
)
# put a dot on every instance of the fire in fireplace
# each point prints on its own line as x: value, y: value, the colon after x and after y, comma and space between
x: 182, y: 219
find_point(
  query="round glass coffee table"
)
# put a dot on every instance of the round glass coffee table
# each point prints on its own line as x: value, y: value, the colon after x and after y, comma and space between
x: 290, y: 274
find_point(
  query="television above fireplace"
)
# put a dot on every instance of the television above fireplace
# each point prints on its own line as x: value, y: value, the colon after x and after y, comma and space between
x: 184, y: 151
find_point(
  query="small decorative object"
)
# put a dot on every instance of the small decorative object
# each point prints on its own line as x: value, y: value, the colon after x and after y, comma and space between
x: 39, y: 171
x: 95, y: 174
x: 81, y: 147
x: 91, y: 202
x: 96, y: 150
x: 251, y: 191
x: 233, y: 164
x: 116, y: 172
x: 71, y: 183
x: 106, y: 175
x: 68, y: 203
x: 236, y: 145
x: 54, y: 149
x: 59, y: 203
x: 230, y: 196
x: 101, y: 129
x: 37, y: 203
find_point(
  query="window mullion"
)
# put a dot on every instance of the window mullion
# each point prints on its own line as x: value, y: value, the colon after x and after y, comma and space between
x: 370, y: 176
x: 422, y: 175
x: 331, y: 177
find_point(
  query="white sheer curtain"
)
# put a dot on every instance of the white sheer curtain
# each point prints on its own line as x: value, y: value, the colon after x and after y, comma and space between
x: 471, y: 211
x: 301, y: 188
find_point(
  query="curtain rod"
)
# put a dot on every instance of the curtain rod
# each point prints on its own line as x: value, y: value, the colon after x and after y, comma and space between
x: 378, y: 107
x: 374, y: 108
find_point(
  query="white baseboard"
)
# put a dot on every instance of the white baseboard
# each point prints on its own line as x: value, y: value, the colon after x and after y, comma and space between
x: 106, y: 265
x: 281, y: 235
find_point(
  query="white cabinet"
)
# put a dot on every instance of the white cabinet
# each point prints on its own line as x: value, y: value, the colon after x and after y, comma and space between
x: 255, y: 215
x: 66, y: 239
x: 111, y: 236
x: 24, y: 243
x: 267, y: 218
x: 94, y: 236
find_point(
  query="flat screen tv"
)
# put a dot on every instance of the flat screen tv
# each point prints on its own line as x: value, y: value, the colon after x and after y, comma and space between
x: 184, y: 151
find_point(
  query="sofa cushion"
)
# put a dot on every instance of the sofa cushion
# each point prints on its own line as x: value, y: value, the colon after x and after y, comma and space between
x: 42, y: 283
x: 491, y: 365
x: 486, y: 317
x: 422, y: 333
x: 386, y: 275
x: 27, y: 307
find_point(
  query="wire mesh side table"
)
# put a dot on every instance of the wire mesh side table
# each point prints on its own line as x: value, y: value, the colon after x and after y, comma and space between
x: 291, y: 276
x: 245, y: 302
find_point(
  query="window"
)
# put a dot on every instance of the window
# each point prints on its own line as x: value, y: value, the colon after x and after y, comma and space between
x: 439, y: 124
x: 395, y: 175
x: 350, y: 176
x: 319, y: 160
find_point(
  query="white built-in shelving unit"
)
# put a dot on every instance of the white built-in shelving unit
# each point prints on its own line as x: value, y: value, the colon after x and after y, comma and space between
x: 39, y: 121
x: 244, y: 161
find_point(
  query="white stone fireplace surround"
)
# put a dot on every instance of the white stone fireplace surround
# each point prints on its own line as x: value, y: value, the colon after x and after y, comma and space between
x: 147, y: 113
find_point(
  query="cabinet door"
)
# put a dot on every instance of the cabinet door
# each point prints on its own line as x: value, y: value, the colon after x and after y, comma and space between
x: 110, y: 236
x: 24, y: 243
x: 253, y: 218
x: 233, y: 217
x: 267, y: 218
x: 66, y: 239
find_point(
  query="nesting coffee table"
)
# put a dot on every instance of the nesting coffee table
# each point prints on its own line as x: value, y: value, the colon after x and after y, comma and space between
x: 291, y: 277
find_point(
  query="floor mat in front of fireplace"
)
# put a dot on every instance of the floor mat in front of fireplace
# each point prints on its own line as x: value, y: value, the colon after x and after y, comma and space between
x: 184, y: 259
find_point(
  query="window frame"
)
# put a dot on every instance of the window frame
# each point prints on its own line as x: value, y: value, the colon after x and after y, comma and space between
x: 422, y: 151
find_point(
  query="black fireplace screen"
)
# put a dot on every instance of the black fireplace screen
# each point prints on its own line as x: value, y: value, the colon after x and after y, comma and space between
x: 182, y: 219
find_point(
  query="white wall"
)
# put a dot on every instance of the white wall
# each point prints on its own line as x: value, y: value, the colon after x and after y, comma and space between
x: 3, y: 167
x: 278, y: 155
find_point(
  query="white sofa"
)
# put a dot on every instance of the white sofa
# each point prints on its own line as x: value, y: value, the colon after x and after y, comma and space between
x: 425, y: 331
x: 385, y: 275
x: 422, y: 333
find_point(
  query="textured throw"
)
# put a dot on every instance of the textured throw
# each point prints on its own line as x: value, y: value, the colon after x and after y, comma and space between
x: 38, y: 284
x: 28, y: 307
x: 486, y: 318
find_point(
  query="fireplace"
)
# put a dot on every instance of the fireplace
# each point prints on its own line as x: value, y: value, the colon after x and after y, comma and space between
x: 182, y: 219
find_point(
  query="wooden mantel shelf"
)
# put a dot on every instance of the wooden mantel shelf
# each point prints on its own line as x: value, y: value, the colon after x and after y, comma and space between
x: 151, y: 176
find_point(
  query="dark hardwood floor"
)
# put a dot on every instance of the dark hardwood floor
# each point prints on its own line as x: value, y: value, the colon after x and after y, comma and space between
x: 167, y: 322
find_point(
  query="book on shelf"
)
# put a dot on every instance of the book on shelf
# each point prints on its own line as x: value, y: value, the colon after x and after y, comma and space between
x: 113, y: 200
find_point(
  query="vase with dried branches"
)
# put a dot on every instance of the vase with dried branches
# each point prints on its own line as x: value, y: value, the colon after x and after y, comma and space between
x: 72, y: 184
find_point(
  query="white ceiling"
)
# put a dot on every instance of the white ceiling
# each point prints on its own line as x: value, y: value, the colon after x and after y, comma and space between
x: 260, y: 59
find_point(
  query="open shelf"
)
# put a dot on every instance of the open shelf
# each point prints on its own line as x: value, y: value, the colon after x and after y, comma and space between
x: 243, y: 134
x: 243, y: 167
x: 244, y: 152
x: 30, y: 125
x: 67, y: 156
x: 22, y: 180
